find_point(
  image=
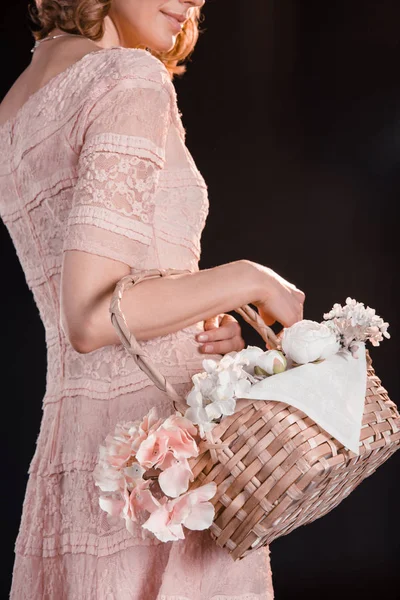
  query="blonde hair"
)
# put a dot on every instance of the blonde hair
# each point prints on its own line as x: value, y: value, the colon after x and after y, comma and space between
x: 86, y: 17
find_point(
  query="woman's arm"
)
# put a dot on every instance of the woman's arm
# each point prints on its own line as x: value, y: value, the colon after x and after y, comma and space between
x: 153, y: 307
x: 163, y: 305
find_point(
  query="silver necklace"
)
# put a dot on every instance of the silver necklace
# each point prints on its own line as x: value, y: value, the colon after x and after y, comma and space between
x: 53, y: 37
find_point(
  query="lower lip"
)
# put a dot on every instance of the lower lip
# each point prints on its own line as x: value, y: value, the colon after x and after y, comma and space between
x: 174, y: 22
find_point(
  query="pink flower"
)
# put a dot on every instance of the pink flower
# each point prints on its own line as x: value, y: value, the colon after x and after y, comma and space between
x: 123, y: 444
x: 178, y: 421
x: 170, y: 442
x: 111, y: 504
x: 107, y: 478
x: 118, y: 454
x: 117, y: 449
x: 159, y: 523
x: 137, y: 446
x: 130, y: 505
x: 191, y: 510
x: 149, y: 424
x: 175, y: 479
x: 140, y: 499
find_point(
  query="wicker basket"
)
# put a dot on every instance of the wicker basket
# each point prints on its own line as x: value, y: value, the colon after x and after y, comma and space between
x: 274, y: 467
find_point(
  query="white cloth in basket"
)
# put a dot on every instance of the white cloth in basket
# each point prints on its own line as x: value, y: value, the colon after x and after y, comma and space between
x: 332, y: 393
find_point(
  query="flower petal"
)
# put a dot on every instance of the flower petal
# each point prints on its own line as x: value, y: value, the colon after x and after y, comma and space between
x: 112, y: 506
x: 209, y: 365
x: 194, y: 398
x: 134, y: 471
x: 175, y: 480
x: 152, y: 450
x: 196, y: 415
x: 158, y: 524
x: 213, y: 411
x: 107, y: 478
x: 200, y: 517
x: 242, y: 388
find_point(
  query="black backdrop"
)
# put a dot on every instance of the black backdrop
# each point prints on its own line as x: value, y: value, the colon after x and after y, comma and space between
x: 292, y: 111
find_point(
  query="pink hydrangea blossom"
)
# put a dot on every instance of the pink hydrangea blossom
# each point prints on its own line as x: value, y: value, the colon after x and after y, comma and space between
x: 132, y: 505
x: 191, y: 510
x: 117, y: 450
x: 175, y: 480
x: 161, y: 444
x: 171, y: 441
x: 149, y: 424
x: 117, y: 455
x: 122, y: 445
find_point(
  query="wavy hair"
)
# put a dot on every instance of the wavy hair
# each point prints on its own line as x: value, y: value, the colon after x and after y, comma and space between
x: 86, y: 17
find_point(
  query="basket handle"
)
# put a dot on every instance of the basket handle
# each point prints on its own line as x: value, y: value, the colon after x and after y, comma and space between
x: 140, y: 355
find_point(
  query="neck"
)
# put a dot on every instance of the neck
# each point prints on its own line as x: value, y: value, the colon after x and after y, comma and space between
x: 110, y: 36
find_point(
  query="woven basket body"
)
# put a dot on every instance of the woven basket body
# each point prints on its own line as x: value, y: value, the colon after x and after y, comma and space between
x: 278, y: 469
x: 281, y: 470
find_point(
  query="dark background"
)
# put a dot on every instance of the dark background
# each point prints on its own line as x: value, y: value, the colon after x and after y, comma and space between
x: 292, y: 111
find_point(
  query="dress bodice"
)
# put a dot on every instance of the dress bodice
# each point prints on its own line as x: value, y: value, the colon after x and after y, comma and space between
x: 96, y: 161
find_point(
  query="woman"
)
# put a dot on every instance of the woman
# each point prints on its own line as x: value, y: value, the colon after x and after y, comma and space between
x: 96, y: 182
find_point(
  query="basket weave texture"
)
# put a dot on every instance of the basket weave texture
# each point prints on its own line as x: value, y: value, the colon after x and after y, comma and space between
x: 275, y: 468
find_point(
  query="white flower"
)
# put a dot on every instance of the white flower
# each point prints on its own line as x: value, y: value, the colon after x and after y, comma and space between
x: 307, y: 341
x: 215, y: 390
x: 272, y: 362
x: 200, y: 417
x: 196, y: 412
x: 249, y: 357
x: 355, y: 323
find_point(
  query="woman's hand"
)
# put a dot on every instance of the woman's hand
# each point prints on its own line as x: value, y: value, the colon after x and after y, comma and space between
x: 222, y: 334
x: 279, y: 300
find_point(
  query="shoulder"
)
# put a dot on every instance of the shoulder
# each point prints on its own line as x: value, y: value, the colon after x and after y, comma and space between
x: 109, y: 67
x: 136, y: 63
x: 121, y: 85
x: 118, y: 79
x: 122, y: 91
x: 123, y: 65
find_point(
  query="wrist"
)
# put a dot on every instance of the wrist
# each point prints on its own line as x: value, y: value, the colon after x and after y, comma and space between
x: 254, y: 279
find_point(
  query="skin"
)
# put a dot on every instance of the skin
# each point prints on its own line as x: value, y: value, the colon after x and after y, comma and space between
x: 141, y: 23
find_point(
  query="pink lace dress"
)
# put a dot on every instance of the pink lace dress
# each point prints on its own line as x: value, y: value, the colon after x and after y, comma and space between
x: 96, y: 161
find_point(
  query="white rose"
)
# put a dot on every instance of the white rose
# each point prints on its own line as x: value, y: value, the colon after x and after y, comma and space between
x: 271, y: 362
x: 307, y: 341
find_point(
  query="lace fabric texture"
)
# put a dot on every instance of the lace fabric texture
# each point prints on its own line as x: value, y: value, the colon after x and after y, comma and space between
x: 113, y: 203
x: 96, y: 161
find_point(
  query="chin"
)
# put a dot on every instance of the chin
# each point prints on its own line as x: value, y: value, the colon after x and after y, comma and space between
x: 162, y: 45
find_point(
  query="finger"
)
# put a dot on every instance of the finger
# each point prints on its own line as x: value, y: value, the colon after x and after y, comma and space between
x: 268, y: 319
x: 224, y: 332
x: 212, y: 323
x: 223, y: 347
x: 225, y: 319
x: 209, y: 325
x: 232, y: 323
x: 218, y: 332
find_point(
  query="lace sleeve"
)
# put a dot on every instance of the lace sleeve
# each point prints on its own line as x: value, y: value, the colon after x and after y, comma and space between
x: 119, y: 164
